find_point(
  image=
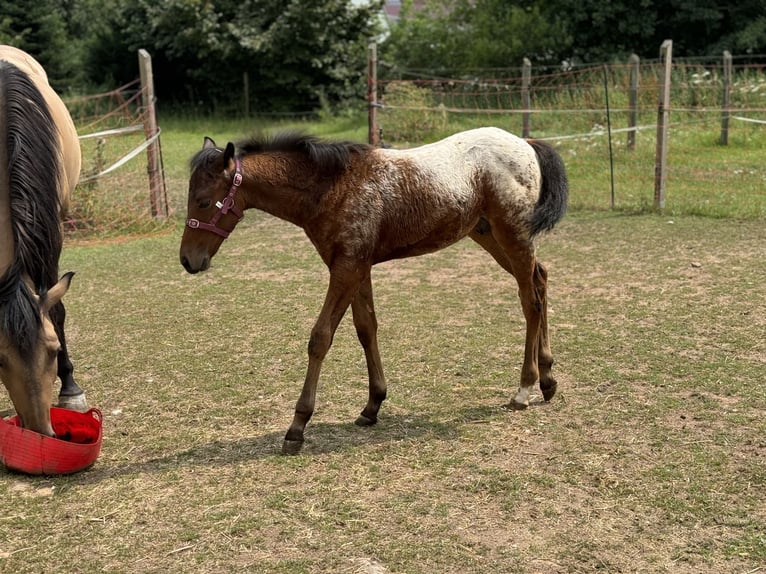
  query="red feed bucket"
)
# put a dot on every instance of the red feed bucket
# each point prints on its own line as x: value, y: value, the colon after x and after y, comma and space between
x: 29, y: 452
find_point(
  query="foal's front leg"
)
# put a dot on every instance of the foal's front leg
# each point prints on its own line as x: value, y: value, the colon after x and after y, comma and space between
x: 343, y: 286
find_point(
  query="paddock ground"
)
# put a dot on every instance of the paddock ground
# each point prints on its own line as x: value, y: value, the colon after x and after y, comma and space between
x: 651, y: 458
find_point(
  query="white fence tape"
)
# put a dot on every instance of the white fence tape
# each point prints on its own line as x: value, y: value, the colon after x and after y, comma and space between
x: 740, y: 118
x: 114, y: 132
x: 126, y: 158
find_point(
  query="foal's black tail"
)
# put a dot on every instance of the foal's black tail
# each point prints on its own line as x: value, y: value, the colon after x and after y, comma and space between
x: 552, y: 203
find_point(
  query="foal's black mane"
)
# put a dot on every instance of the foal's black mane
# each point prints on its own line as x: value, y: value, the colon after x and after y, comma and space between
x: 31, y: 178
x: 328, y: 157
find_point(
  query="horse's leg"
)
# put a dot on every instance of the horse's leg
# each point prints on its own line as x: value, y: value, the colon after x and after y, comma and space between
x: 366, y: 326
x: 518, y: 258
x: 71, y: 396
x: 544, y: 355
x: 341, y: 291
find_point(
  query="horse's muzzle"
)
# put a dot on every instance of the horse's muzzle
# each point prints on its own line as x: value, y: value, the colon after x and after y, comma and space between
x: 196, y: 267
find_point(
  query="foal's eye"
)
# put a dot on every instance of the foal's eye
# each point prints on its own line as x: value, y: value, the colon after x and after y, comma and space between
x: 204, y: 203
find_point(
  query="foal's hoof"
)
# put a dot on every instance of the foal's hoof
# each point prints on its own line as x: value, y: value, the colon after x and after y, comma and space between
x: 517, y: 406
x: 548, y: 389
x: 292, y: 447
x: 73, y: 402
x: 363, y: 421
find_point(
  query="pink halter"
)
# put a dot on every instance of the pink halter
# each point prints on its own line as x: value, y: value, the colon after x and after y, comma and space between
x: 223, y: 207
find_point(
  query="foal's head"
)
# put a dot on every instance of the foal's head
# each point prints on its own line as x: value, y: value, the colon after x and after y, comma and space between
x: 211, y: 212
x: 29, y: 348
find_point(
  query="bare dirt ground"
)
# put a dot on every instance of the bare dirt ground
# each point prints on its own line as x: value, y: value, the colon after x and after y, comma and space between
x: 651, y: 459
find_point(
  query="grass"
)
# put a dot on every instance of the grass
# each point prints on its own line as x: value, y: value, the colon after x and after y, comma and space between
x: 704, y: 178
x: 650, y: 459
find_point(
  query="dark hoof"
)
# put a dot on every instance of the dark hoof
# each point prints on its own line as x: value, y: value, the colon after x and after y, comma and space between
x: 292, y: 447
x: 514, y: 406
x: 548, y: 389
x: 363, y: 421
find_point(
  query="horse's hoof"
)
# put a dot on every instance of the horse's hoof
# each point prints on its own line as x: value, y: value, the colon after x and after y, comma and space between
x: 517, y: 406
x: 548, y: 390
x: 291, y: 447
x: 363, y: 421
x: 73, y: 402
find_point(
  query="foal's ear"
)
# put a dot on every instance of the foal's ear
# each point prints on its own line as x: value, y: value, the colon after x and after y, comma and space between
x: 228, y: 156
x: 208, y: 143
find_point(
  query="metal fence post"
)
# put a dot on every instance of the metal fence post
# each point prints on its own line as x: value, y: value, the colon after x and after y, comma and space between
x: 726, y: 106
x: 663, y: 117
x: 634, y: 62
x: 526, y: 79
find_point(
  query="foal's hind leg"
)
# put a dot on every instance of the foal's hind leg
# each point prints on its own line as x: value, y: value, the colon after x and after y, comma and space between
x: 518, y: 259
x: 544, y: 354
x: 71, y: 396
x: 367, y: 331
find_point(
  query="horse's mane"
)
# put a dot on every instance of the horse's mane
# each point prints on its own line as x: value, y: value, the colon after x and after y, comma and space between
x: 328, y: 157
x: 31, y: 179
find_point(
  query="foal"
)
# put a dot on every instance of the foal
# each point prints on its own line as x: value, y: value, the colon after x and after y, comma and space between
x: 360, y: 206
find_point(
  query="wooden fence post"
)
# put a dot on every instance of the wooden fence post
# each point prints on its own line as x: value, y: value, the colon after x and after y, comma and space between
x: 157, y: 200
x: 526, y: 79
x: 663, y: 117
x: 634, y: 62
x: 726, y: 106
x: 373, y: 137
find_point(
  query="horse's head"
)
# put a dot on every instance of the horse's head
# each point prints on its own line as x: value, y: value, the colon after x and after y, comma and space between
x: 212, y: 212
x: 28, y: 362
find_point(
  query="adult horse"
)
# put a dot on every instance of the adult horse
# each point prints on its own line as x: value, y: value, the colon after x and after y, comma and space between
x: 360, y: 206
x: 39, y: 167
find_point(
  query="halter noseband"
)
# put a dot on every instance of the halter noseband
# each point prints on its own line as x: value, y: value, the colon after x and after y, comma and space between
x: 223, y: 207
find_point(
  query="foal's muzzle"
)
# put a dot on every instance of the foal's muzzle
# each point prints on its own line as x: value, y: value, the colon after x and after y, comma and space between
x: 203, y: 265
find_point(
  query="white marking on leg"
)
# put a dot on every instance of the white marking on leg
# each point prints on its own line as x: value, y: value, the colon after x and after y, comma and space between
x: 522, y: 396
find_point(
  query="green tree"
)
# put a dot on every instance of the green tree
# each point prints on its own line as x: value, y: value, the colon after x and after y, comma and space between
x: 605, y: 31
x: 40, y: 28
x: 466, y: 34
x: 295, y: 52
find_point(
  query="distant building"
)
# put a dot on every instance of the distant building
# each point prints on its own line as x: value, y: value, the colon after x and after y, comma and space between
x: 391, y: 12
x: 392, y: 9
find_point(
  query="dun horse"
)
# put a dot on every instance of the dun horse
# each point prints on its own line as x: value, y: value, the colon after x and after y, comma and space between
x: 360, y: 206
x: 39, y: 167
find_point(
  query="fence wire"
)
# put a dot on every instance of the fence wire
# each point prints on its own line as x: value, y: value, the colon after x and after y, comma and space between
x: 585, y: 110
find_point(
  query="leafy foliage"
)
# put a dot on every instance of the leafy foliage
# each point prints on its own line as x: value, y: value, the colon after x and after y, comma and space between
x: 41, y: 28
x: 298, y: 55
x: 452, y: 34
x: 293, y: 53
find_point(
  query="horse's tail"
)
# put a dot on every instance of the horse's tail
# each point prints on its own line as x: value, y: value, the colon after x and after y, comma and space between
x: 29, y: 181
x: 554, y: 189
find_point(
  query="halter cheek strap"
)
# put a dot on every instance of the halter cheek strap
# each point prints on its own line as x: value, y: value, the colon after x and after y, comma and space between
x: 224, y: 207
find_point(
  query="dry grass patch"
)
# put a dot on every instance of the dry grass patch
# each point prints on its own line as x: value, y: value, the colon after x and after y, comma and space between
x: 651, y: 459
